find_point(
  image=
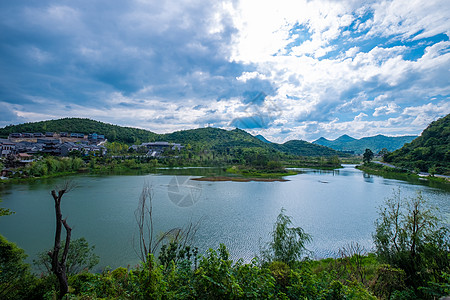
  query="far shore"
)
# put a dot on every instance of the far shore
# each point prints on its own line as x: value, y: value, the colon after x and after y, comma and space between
x: 237, y: 179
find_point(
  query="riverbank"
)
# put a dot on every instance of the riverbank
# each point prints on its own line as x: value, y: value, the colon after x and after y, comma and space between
x: 393, y: 172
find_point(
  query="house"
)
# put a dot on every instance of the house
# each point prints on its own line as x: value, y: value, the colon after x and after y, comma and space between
x: 63, y: 134
x: 93, y: 137
x: 38, y: 134
x: 7, y: 148
x: 50, y: 146
x: 49, y: 134
x: 15, y: 135
x: 27, y: 135
x: 84, y: 149
x: 155, y: 149
x: 25, y: 157
x: 68, y: 147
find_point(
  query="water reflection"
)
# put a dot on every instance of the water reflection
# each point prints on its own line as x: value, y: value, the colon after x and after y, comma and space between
x: 335, y: 207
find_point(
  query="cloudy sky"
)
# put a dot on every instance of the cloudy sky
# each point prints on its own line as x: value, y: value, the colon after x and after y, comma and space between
x: 288, y: 69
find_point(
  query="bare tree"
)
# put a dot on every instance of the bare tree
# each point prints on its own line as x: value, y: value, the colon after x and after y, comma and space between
x: 59, y: 263
x: 148, y: 243
x: 351, y: 261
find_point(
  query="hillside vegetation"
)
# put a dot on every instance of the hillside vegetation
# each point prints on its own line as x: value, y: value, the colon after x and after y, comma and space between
x: 112, y: 132
x: 214, y: 140
x: 430, y: 152
x: 374, y: 143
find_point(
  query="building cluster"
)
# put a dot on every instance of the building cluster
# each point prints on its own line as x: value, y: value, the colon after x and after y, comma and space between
x: 57, y: 144
x: 156, y: 149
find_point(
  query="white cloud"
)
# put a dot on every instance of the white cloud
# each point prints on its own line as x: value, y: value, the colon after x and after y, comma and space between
x: 386, y: 109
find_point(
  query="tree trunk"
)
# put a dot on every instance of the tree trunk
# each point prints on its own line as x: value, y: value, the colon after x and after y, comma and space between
x: 59, y: 266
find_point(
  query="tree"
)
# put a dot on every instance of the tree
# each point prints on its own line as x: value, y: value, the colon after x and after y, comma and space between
x: 11, y: 161
x: 58, y: 261
x: 383, y: 152
x: 408, y: 237
x: 14, y: 273
x: 180, y: 238
x: 80, y: 257
x: 367, y: 156
x: 288, y: 243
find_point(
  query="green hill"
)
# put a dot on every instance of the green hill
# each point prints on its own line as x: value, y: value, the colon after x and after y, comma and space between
x: 217, y: 140
x: 112, y: 132
x: 429, y: 152
x: 303, y: 148
x: 358, y: 146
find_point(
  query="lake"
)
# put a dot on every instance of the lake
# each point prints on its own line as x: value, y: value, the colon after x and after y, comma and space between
x: 335, y: 207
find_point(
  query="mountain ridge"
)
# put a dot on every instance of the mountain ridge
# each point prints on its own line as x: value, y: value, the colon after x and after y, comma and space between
x: 217, y: 139
x: 375, y: 143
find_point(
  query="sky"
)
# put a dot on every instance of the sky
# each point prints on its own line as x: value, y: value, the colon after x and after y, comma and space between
x: 286, y: 69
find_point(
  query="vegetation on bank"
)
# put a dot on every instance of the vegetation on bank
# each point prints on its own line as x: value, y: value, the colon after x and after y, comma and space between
x: 430, y: 152
x: 411, y: 261
x: 249, y: 162
x: 385, y: 171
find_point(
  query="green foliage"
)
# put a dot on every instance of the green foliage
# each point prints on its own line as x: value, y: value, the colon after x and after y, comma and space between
x: 80, y: 257
x: 51, y: 166
x: 287, y: 244
x: 408, y: 237
x: 367, y: 156
x: 303, y: 148
x: 5, y: 211
x: 430, y: 150
x: 388, y: 280
x: 15, y: 276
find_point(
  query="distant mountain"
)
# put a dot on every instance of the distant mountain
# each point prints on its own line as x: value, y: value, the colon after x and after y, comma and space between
x: 263, y: 139
x: 303, y: 148
x: 429, y: 152
x: 358, y: 146
x: 207, y: 139
x: 345, y: 139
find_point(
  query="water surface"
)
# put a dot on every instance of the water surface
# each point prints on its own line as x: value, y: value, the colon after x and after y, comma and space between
x: 335, y: 207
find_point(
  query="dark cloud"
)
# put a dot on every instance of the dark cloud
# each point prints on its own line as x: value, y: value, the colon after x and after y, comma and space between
x: 259, y: 121
x: 8, y: 116
x: 72, y: 50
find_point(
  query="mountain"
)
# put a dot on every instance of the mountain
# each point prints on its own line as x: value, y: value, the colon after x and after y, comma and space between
x: 214, y: 139
x: 204, y: 139
x: 429, y: 152
x: 358, y: 146
x: 345, y: 139
x: 263, y: 139
x: 303, y: 148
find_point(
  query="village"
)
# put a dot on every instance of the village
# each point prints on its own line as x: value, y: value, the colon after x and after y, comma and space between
x: 25, y: 145
x: 21, y: 149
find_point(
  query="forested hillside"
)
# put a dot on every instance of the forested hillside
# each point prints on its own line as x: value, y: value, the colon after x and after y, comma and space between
x: 430, y: 152
x: 374, y: 143
x: 303, y: 148
x: 220, y: 141
x: 112, y: 132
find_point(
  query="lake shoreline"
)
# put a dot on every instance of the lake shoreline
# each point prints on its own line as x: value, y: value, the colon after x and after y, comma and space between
x: 238, y: 179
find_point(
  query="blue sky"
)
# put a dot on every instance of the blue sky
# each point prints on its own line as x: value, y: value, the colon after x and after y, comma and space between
x: 287, y: 69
